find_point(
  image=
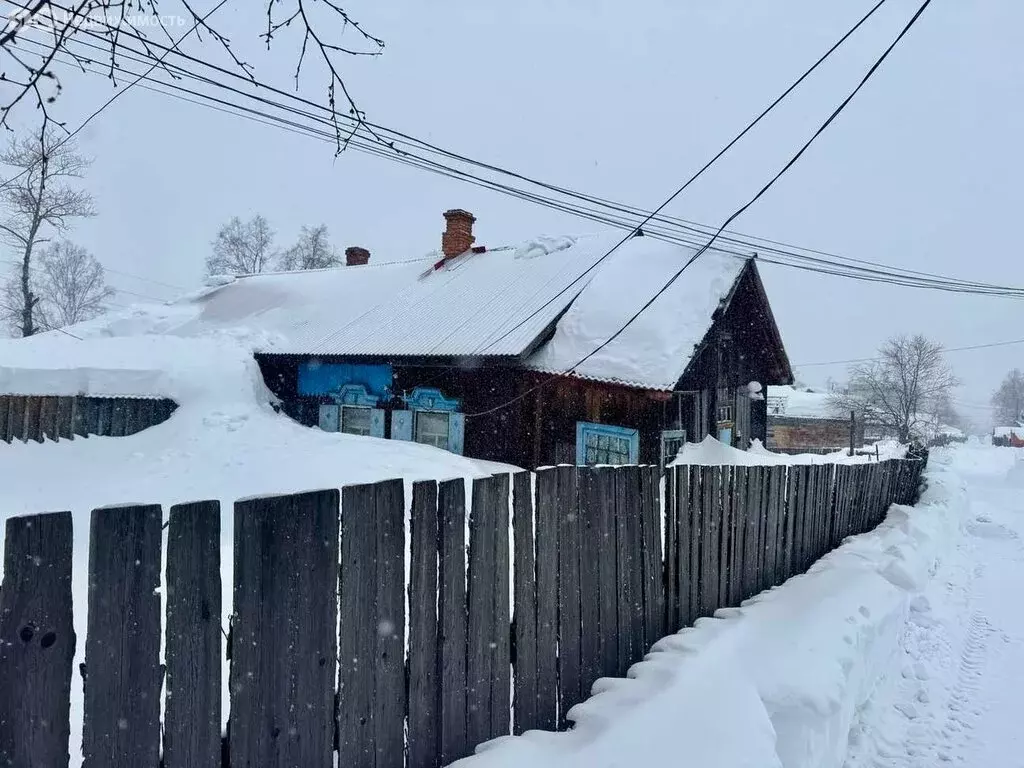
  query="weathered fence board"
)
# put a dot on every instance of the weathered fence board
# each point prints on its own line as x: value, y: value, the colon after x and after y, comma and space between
x: 547, y: 598
x: 452, y: 618
x: 5, y: 417
x: 608, y: 576
x: 727, y: 523
x: 424, y: 684
x: 697, y: 524
x: 357, y: 638
x: 569, y: 689
x: 650, y: 530
x: 751, y: 533
x: 525, y: 620
x: 37, y: 641
x: 389, y: 622
x: 634, y: 610
x: 33, y: 429
x: 671, y: 553
x: 736, y: 532
x: 624, y: 564
x: 16, y: 419
x: 487, y: 665
x: 122, y: 646
x: 685, y: 542
x: 591, y: 593
x: 284, y: 642
x: 192, y: 716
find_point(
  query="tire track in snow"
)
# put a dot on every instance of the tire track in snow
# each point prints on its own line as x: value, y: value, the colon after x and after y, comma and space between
x: 962, y: 708
x: 904, y: 724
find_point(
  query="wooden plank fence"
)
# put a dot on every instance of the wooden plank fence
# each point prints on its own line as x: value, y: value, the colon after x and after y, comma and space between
x: 518, y: 594
x: 26, y: 418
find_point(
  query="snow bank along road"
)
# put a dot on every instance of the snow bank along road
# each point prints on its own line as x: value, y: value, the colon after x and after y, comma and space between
x: 904, y: 647
x: 957, y: 694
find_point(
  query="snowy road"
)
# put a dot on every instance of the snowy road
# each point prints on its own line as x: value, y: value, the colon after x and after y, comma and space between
x: 955, y: 695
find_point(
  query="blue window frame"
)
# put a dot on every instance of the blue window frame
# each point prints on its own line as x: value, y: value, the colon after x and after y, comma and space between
x: 606, y: 444
x: 432, y: 419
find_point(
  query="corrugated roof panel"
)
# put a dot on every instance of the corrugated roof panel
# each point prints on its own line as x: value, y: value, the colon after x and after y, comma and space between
x: 496, y: 303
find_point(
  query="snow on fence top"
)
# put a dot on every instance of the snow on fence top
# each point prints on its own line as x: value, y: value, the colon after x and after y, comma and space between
x: 711, y: 452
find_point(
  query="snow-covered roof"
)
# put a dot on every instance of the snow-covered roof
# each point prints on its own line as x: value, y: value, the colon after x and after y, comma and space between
x: 502, y: 302
x: 1008, y: 432
x: 800, y: 402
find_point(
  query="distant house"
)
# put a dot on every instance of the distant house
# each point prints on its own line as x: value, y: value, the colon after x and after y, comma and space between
x: 1008, y: 436
x: 513, y: 354
x: 802, y: 420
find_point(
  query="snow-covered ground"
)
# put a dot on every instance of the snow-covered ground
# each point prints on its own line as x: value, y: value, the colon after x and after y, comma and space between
x: 905, y: 647
x: 956, y: 692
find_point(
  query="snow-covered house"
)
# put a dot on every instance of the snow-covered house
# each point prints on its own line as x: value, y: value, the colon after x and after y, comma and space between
x: 513, y: 354
x: 1009, y: 436
x: 803, y: 419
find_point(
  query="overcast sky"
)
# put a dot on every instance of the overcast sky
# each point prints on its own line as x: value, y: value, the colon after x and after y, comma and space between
x: 921, y: 171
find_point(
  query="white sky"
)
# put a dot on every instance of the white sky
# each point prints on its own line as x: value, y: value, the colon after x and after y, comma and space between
x: 921, y: 171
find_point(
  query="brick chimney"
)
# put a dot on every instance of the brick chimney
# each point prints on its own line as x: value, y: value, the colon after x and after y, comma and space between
x: 458, y: 236
x: 356, y: 256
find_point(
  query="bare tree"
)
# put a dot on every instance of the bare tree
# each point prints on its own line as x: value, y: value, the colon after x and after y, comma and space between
x: 73, y: 285
x: 1008, y: 400
x: 38, y: 37
x: 312, y: 251
x: 902, y: 389
x: 41, y: 199
x: 242, y: 248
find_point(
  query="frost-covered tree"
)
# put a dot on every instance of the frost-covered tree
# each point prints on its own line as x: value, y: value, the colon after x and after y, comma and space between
x: 73, y: 285
x: 902, y: 389
x: 41, y: 199
x: 312, y: 251
x: 70, y: 285
x: 242, y: 248
x: 1008, y: 400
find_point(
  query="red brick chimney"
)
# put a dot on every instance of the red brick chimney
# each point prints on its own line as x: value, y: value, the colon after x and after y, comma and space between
x: 458, y: 236
x: 356, y: 256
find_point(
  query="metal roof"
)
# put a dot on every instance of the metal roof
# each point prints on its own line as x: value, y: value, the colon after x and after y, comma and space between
x: 496, y: 303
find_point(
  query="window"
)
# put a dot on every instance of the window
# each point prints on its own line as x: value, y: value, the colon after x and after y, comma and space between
x: 606, y: 444
x: 355, y: 420
x: 671, y: 441
x: 431, y: 428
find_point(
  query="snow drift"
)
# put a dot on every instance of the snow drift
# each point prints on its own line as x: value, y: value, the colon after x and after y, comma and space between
x: 775, y: 682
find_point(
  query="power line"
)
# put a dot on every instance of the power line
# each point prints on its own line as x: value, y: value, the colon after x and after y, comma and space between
x: 783, y: 258
x: 877, y: 359
x: 901, y: 276
x: 118, y: 95
x: 406, y: 140
x: 874, y: 68
x: 908, y: 278
x: 35, y: 268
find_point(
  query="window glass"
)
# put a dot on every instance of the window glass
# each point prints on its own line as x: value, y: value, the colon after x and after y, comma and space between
x: 432, y: 429
x: 355, y: 420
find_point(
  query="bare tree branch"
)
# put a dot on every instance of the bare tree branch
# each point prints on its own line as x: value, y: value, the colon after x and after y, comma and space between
x: 73, y: 286
x: 1008, y: 400
x: 43, y: 197
x: 905, y: 390
x: 312, y: 251
x: 242, y: 248
x: 108, y: 21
